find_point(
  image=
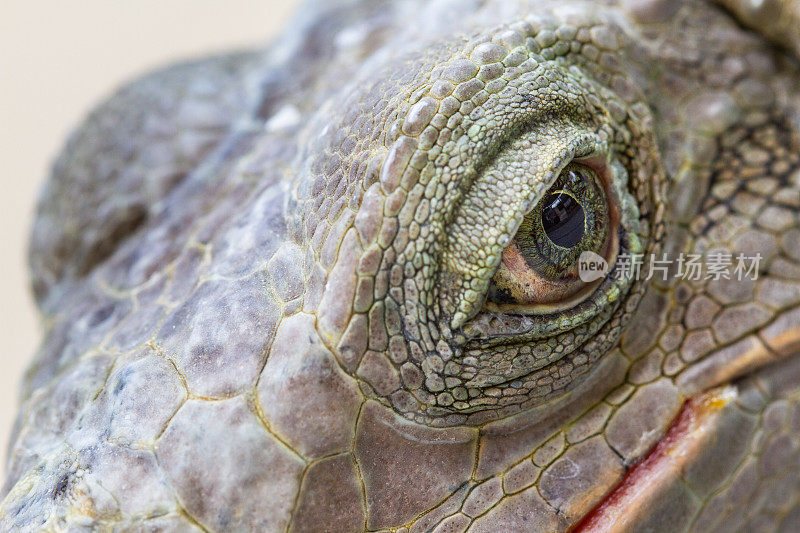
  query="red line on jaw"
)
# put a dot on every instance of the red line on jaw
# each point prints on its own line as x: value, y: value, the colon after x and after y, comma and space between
x: 665, y: 463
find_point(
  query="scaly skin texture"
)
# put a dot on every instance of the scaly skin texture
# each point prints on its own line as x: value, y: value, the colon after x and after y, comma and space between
x: 263, y: 279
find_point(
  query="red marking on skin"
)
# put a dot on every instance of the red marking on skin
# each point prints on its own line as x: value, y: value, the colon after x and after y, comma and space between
x: 665, y: 460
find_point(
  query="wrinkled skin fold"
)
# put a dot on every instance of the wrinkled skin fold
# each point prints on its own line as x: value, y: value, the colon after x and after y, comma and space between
x: 264, y: 280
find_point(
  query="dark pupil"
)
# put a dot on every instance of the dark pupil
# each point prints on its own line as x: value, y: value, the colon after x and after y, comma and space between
x: 563, y: 220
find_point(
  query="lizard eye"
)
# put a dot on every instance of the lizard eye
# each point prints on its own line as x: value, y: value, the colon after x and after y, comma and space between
x: 540, y: 265
x: 563, y: 218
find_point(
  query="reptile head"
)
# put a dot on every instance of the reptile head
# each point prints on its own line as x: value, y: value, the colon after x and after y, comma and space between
x: 346, y: 284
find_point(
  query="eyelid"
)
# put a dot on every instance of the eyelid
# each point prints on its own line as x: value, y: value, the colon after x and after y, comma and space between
x: 473, y: 247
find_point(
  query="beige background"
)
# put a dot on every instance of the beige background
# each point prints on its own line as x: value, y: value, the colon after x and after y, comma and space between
x: 57, y: 59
